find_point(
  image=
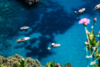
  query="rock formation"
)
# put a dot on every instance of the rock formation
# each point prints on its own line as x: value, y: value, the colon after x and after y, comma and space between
x: 30, y: 2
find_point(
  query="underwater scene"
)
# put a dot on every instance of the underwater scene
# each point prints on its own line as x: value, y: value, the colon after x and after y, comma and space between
x: 49, y: 22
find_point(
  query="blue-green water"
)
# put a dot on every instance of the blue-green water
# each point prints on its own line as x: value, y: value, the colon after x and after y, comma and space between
x: 49, y: 21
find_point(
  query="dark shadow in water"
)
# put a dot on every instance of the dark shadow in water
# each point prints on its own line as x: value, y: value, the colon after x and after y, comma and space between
x: 21, y: 46
x: 41, y: 51
x: 4, y: 47
x: 25, y: 43
x: 57, y: 22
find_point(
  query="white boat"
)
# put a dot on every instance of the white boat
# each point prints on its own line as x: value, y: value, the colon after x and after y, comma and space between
x: 22, y: 39
x: 97, y: 7
x: 55, y: 45
x: 89, y: 56
x: 24, y: 28
x: 81, y: 10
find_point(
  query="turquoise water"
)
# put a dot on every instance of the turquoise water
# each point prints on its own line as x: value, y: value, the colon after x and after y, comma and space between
x: 49, y: 21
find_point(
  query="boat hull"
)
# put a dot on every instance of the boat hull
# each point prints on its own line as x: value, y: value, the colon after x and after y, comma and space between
x: 22, y: 39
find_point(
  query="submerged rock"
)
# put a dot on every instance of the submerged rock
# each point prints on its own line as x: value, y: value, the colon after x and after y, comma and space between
x: 30, y: 2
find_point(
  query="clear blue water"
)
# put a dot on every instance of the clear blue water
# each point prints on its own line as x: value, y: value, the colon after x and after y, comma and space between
x: 50, y: 21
